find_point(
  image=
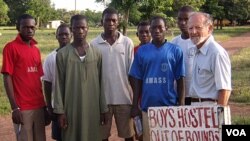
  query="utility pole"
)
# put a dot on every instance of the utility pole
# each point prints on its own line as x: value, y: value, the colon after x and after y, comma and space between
x: 75, y: 6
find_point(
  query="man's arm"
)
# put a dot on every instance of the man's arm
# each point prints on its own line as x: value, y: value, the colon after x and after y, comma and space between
x: 48, y: 92
x: 223, y: 97
x: 8, y: 85
x: 181, y: 90
x: 136, y: 85
x: 59, y: 92
x: 49, y: 111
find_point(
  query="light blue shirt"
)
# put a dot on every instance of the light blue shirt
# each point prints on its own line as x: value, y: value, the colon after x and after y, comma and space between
x: 211, y: 70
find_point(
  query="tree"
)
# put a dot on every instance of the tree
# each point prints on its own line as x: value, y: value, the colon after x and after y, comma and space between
x: 94, y: 18
x: 149, y: 8
x: 196, y: 4
x: 64, y: 15
x: 17, y: 7
x: 243, y: 11
x: 237, y: 10
x: 216, y: 9
x: 3, y: 13
x: 41, y: 10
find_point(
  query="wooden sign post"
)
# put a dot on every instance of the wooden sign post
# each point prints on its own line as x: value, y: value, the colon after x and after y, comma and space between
x: 187, y: 123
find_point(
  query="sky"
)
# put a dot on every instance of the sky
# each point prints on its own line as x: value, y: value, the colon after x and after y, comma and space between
x: 80, y: 4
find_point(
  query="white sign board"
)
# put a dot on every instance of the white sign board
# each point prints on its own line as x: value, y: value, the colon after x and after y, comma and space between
x: 187, y: 123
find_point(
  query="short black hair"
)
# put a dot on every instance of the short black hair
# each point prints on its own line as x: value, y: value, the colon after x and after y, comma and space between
x: 143, y: 23
x: 109, y: 10
x: 22, y: 17
x: 77, y: 17
x: 186, y: 8
x: 62, y: 25
x: 159, y: 18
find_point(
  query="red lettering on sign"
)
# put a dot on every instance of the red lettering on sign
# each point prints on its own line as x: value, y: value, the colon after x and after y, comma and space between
x: 187, y: 117
x: 195, y: 121
x: 171, y: 116
x: 207, y: 116
x: 174, y: 136
x: 180, y: 135
x: 188, y: 135
x: 181, y: 117
x: 151, y: 118
x: 200, y: 115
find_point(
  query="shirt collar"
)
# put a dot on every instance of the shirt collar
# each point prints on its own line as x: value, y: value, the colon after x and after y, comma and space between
x: 101, y: 41
x: 20, y: 40
x: 205, y: 46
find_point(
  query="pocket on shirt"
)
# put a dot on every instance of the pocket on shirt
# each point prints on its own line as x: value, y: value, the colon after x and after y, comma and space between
x: 204, y: 77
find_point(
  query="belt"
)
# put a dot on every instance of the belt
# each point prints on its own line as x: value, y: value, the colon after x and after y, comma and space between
x: 202, y: 99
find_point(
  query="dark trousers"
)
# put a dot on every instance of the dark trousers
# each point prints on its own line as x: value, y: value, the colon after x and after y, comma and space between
x: 56, y: 131
x: 188, y: 101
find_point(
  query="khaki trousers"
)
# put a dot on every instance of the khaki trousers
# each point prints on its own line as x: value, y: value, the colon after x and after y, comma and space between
x: 33, y: 127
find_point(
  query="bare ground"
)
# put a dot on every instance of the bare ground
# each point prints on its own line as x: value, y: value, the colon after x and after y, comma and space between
x: 233, y: 45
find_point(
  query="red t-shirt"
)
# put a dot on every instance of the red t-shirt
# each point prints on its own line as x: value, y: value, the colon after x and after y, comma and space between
x: 24, y: 64
x: 136, y: 48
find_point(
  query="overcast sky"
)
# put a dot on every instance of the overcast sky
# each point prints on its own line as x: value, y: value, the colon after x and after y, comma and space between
x: 80, y: 4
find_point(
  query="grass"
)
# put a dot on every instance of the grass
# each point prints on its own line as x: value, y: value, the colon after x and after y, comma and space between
x: 241, y: 120
x: 240, y: 61
x: 241, y: 76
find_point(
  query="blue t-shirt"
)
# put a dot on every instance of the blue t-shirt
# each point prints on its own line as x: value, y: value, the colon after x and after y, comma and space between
x: 158, y: 68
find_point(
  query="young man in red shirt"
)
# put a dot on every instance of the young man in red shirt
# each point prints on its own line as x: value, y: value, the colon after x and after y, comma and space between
x: 22, y: 71
x: 143, y: 34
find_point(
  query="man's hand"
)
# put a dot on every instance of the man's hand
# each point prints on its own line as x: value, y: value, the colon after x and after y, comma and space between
x: 52, y: 115
x: 103, y: 118
x: 17, y: 117
x: 47, y: 117
x: 135, y: 111
x: 62, y: 119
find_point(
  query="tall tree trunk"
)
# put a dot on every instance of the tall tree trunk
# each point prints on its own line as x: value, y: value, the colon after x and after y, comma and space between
x: 125, y: 26
x: 221, y: 23
x: 38, y: 22
x: 217, y: 24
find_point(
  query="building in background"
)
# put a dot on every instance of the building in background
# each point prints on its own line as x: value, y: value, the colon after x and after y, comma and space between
x: 54, y: 24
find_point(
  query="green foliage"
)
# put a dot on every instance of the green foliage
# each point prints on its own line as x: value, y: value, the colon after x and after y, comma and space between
x: 196, y: 4
x: 17, y: 7
x: 241, y: 120
x: 134, y: 17
x: 237, y: 10
x: 131, y: 11
x: 214, y: 8
x: 3, y: 13
x: 124, y: 7
x: 94, y: 18
x: 153, y: 7
x: 41, y: 10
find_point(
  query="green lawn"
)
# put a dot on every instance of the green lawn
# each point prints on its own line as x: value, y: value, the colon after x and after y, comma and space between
x: 240, y: 62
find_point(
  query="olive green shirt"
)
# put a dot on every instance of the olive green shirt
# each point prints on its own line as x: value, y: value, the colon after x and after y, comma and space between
x: 78, y: 93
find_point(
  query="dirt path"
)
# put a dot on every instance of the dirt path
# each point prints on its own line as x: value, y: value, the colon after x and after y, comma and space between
x: 232, y: 46
x: 235, y: 44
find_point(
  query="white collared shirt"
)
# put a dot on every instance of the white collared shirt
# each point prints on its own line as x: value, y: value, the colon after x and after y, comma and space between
x: 116, y: 62
x: 188, y: 49
x: 211, y: 70
x: 49, y: 68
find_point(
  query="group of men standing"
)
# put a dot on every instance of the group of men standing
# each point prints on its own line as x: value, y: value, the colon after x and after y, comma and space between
x: 87, y: 84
